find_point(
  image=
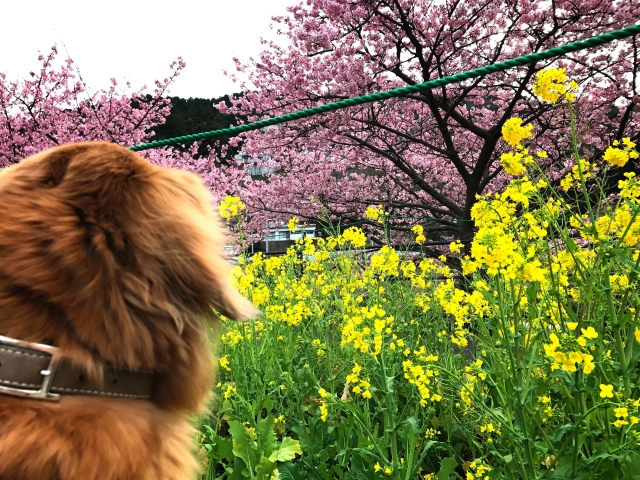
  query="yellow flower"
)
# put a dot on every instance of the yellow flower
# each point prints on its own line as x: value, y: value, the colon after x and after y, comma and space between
x: 589, y: 333
x: 575, y: 357
x: 512, y: 163
x: 551, y: 85
x: 419, y: 231
x: 355, y: 236
x: 568, y: 365
x: 230, y: 207
x: 324, y: 412
x: 377, y: 467
x: 514, y: 133
x: 366, y: 394
x: 606, y: 391
x: 229, y: 391
x: 621, y: 412
x: 572, y: 325
x: 616, y: 156
x: 292, y: 224
x: 456, y: 246
x: 387, y: 471
x: 374, y: 213
x: 588, y: 367
x: 224, y: 363
x: 323, y: 393
x: 620, y: 423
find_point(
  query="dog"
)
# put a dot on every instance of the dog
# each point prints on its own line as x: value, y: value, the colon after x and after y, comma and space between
x: 110, y: 270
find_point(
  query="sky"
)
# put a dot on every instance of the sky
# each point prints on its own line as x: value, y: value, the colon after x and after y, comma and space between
x: 136, y: 40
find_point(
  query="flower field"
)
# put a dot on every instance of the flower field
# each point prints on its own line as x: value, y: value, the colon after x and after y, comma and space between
x: 524, y: 364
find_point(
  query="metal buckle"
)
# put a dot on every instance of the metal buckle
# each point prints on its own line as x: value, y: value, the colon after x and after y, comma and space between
x: 47, y: 375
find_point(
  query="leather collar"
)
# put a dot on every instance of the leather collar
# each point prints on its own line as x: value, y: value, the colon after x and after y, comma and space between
x: 33, y: 370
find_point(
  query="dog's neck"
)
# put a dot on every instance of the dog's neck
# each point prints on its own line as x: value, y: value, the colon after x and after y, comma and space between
x: 36, y: 371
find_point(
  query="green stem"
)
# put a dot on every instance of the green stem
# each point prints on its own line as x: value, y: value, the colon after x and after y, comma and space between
x: 620, y: 348
x: 576, y: 430
x: 576, y: 154
x: 389, y: 424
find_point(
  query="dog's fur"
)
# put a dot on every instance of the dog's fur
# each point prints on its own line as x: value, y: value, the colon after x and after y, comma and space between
x: 111, y: 259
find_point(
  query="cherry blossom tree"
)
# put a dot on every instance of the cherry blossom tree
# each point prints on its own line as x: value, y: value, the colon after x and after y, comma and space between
x: 425, y: 157
x: 53, y: 106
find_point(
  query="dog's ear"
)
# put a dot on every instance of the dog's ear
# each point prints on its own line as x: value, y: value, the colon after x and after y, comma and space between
x: 56, y: 167
x: 192, y: 238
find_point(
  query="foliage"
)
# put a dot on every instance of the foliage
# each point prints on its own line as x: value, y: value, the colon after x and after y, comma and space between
x: 426, y: 157
x: 195, y: 115
x: 397, y: 367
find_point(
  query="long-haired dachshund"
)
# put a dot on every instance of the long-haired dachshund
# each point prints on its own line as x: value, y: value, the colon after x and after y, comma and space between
x: 110, y: 269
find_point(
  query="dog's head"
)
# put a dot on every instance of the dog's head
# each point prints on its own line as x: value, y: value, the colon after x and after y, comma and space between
x: 113, y: 259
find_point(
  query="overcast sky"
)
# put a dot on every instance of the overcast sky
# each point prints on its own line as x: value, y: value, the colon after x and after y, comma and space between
x: 136, y: 40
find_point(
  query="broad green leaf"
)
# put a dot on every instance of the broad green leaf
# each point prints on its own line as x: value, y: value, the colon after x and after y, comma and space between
x: 447, y: 466
x: 286, y: 451
x: 289, y: 471
x: 265, y: 467
x: 266, y: 436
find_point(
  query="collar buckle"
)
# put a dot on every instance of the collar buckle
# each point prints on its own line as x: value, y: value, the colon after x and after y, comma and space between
x: 43, y: 392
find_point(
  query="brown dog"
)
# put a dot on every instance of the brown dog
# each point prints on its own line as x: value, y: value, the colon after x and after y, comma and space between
x: 117, y: 263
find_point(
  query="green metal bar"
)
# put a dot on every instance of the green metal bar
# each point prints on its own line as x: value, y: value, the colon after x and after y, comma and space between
x: 400, y: 92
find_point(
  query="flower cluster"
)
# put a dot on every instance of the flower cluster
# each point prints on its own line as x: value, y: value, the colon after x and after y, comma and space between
x: 360, y: 385
x: 231, y: 207
x: 552, y: 84
x: 375, y: 213
x: 419, y: 231
x: 618, y: 154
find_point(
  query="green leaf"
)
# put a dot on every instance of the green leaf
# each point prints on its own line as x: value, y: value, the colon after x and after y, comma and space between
x: 412, y: 424
x: 243, y: 446
x: 359, y: 468
x: 239, y: 471
x: 286, y: 451
x: 447, y: 466
x: 266, y: 436
x: 265, y: 467
x: 225, y: 448
x: 289, y: 471
x: 561, y: 432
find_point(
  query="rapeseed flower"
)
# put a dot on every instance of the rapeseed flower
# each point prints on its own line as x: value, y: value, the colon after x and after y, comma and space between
x: 606, y: 391
x: 514, y: 133
x: 419, y: 231
x: 552, y: 84
x: 375, y: 213
x: 513, y: 163
x: 231, y: 207
x: 616, y: 156
x: 355, y: 236
x: 619, y: 155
